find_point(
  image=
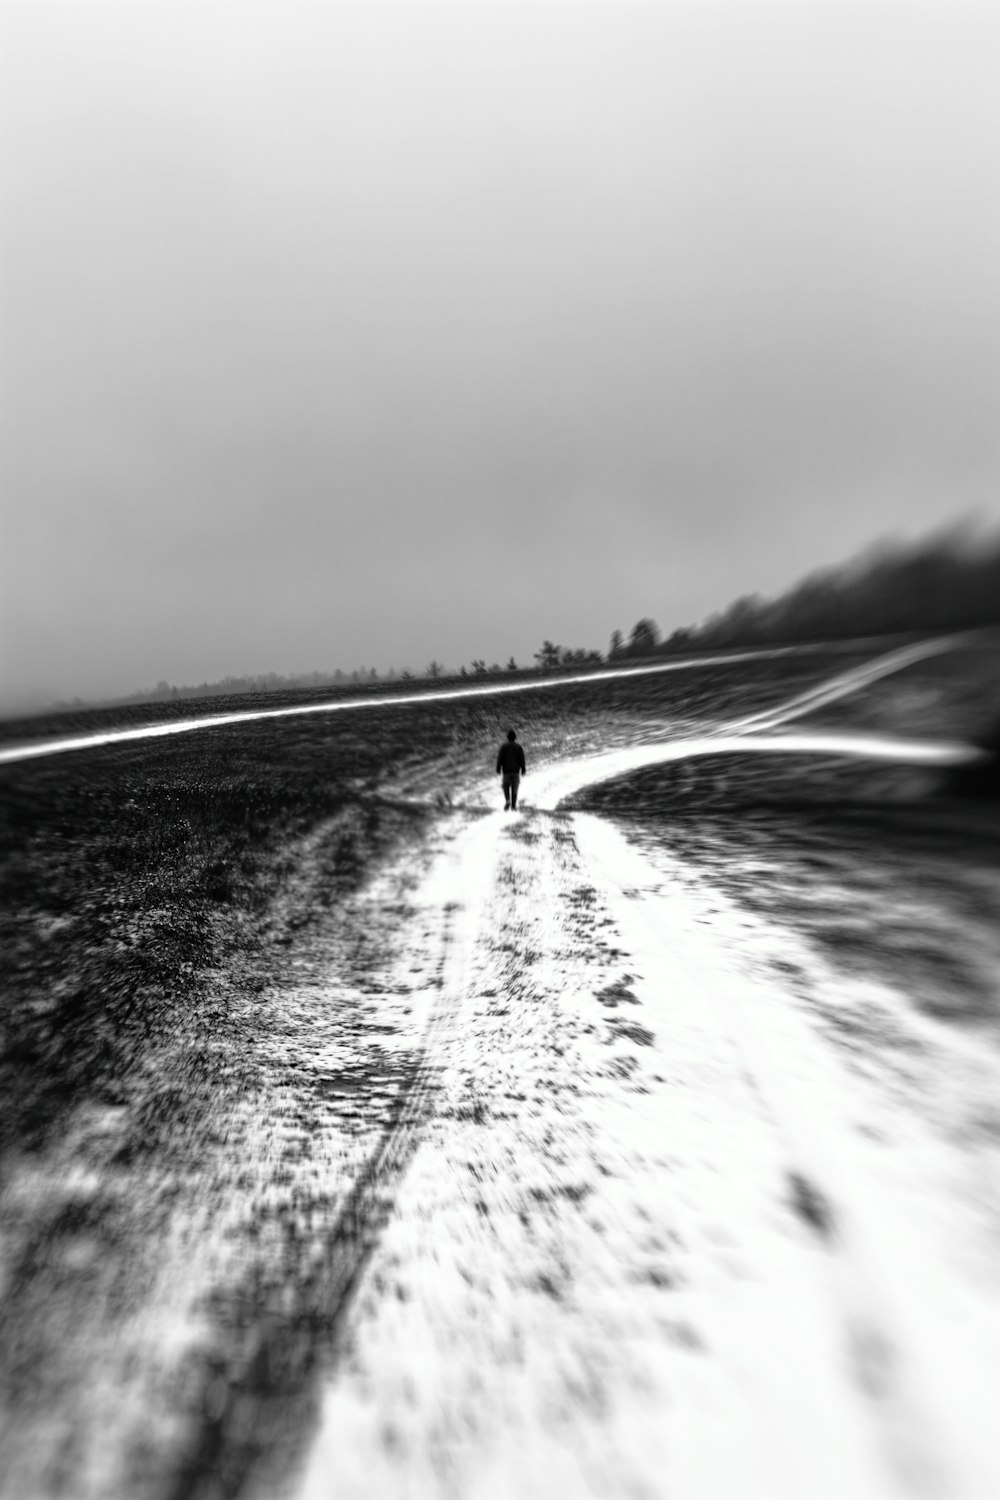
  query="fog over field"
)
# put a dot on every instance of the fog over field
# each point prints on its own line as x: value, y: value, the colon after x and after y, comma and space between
x: 343, y: 334
x: 581, y: 1081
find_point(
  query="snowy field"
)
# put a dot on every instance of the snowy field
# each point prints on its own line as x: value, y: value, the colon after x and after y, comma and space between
x: 576, y: 1151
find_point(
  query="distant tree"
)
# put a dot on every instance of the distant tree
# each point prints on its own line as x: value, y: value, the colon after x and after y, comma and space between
x: 373, y: 675
x: 495, y: 669
x: 617, y: 645
x: 743, y: 621
x: 479, y: 668
x: 645, y: 637
x: 463, y: 671
x: 406, y: 675
x: 435, y: 670
x: 578, y: 657
x: 549, y: 656
x: 512, y: 665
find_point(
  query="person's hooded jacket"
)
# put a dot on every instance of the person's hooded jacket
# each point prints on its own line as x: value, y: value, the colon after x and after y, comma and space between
x: 511, y: 758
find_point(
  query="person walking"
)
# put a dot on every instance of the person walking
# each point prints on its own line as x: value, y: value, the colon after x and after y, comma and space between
x: 510, y: 765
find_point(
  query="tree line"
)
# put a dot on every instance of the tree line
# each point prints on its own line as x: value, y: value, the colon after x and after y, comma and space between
x: 256, y: 682
x: 948, y: 581
x: 548, y: 658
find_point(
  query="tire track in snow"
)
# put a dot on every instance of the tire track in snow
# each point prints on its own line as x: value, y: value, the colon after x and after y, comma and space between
x: 845, y: 683
x: 245, y: 1416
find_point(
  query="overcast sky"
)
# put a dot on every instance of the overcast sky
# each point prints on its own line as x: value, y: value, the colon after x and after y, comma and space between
x: 336, y: 334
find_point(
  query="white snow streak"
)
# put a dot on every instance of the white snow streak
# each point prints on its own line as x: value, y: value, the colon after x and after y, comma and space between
x: 552, y: 785
x: 893, y: 662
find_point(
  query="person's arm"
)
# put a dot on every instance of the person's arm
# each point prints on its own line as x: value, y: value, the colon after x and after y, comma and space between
x: 520, y: 756
x: 500, y: 760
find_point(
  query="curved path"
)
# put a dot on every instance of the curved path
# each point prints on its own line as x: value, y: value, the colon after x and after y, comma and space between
x: 654, y: 1204
x: 553, y: 785
x: 660, y: 1236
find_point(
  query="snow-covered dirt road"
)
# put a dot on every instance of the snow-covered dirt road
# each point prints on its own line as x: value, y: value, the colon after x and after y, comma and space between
x: 657, y: 1236
x: 545, y: 1161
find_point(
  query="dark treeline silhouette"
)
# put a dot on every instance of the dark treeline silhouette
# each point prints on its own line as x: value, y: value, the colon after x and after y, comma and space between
x: 643, y: 640
x: 552, y: 656
x: 949, y: 581
x: 261, y: 682
x: 945, y: 582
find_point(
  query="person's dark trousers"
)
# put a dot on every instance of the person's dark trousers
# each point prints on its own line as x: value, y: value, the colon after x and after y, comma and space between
x: 511, y: 781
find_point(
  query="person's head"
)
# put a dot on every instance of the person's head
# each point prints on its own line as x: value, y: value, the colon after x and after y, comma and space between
x: 511, y: 735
